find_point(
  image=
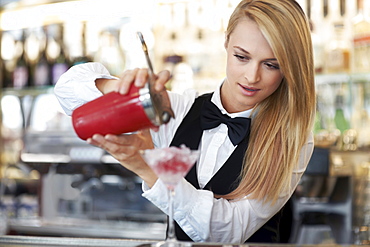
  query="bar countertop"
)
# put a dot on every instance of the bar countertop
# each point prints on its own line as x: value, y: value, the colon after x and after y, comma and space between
x: 30, y: 241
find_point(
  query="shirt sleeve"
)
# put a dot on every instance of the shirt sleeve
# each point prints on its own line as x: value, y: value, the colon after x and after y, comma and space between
x: 77, y: 85
x: 206, y: 219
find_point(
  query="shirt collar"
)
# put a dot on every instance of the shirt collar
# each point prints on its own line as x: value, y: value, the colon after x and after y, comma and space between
x: 216, y: 99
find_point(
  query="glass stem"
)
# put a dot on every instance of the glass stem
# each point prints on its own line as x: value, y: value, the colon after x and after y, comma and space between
x: 171, y: 226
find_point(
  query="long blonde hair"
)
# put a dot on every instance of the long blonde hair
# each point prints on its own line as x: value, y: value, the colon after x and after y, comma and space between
x: 283, y: 121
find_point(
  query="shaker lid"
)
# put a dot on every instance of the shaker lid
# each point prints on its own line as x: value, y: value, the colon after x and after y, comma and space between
x: 156, y: 104
x: 160, y: 111
x: 161, y: 102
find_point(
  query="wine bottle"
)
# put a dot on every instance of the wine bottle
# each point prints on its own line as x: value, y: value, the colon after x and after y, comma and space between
x: 360, y: 119
x: 41, y: 74
x: 338, y: 51
x: 83, y: 56
x: 56, y: 52
x: 361, y: 38
x: 110, y: 53
x: 318, y: 50
x: 8, y: 48
x: 340, y: 120
x: 21, y: 73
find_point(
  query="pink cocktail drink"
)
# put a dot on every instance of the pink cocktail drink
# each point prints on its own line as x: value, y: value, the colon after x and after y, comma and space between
x: 171, y: 164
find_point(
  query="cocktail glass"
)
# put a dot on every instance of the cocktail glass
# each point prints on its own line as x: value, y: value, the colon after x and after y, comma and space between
x: 170, y: 164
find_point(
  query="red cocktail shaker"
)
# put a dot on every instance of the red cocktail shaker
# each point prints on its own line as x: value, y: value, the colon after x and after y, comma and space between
x: 115, y: 113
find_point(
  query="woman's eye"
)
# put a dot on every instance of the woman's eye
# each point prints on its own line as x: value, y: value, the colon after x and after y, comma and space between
x: 272, y: 66
x: 241, y: 58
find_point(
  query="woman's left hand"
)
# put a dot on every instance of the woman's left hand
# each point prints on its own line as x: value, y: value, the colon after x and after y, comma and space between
x: 126, y: 149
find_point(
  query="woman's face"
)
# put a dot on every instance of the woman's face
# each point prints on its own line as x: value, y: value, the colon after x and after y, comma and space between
x: 252, y: 71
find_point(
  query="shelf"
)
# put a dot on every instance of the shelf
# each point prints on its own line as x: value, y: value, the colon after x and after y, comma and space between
x: 32, y: 91
x: 341, y: 78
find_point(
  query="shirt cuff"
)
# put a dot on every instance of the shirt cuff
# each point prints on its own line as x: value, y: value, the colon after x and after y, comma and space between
x: 77, y: 86
x: 192, y: 207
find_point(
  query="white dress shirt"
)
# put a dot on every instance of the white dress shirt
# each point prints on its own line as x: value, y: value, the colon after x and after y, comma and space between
x: 200, y: 215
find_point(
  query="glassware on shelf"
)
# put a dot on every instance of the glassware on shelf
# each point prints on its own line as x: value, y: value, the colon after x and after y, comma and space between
x: 171, y: 165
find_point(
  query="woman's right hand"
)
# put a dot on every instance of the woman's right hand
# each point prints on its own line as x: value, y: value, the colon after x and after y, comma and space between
x: 126, y: 149
x: 137, y: 76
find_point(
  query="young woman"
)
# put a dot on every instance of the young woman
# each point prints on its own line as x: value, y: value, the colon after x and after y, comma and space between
x: 236, y: 189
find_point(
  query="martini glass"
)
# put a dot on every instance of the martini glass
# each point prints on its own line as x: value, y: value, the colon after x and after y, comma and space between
x: 170, y: 164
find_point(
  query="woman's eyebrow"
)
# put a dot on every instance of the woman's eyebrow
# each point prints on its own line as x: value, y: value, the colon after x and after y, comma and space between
x: 241, y: 49
x: 245, y: 51
x: 271, y: 59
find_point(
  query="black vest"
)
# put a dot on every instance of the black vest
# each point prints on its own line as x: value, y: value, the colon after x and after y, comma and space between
x: 226, y: 179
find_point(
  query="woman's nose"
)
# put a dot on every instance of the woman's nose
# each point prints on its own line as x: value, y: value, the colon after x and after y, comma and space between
x: 252, y: 73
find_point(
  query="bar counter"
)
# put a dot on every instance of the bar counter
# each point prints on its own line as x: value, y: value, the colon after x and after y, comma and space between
x: 29, y: 241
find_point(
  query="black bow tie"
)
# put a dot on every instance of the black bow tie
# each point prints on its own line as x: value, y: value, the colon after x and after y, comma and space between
x: 212, y: 117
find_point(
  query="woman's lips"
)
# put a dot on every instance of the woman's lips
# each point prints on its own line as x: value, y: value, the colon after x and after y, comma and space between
x: 249, y: 91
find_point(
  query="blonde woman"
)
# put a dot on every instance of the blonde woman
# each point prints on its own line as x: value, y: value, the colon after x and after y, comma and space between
x: 238, y: 187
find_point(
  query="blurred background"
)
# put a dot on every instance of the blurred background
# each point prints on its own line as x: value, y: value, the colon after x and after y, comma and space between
x: 54, y: 184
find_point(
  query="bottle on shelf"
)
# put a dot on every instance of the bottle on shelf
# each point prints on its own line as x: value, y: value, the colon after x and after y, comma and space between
x: 360, y: 119
x: 337, y: 58
x: 340, y: 119
x: 8, y: 54
x: 361, y: 38
x: 56, y: 52
x: 318, y: 124
x: 318, y: 40
x: 81, y: 55
x: 318, y: 50
x: 110, y: 53
x: 42, y: 70
x: 21, y: 73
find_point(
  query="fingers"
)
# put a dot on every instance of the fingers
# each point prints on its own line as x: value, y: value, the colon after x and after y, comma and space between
x: 109, y: 142
x: 116, y: 146
x: 139, y: 77
x: 163, y: 77
x: 127, y: 78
